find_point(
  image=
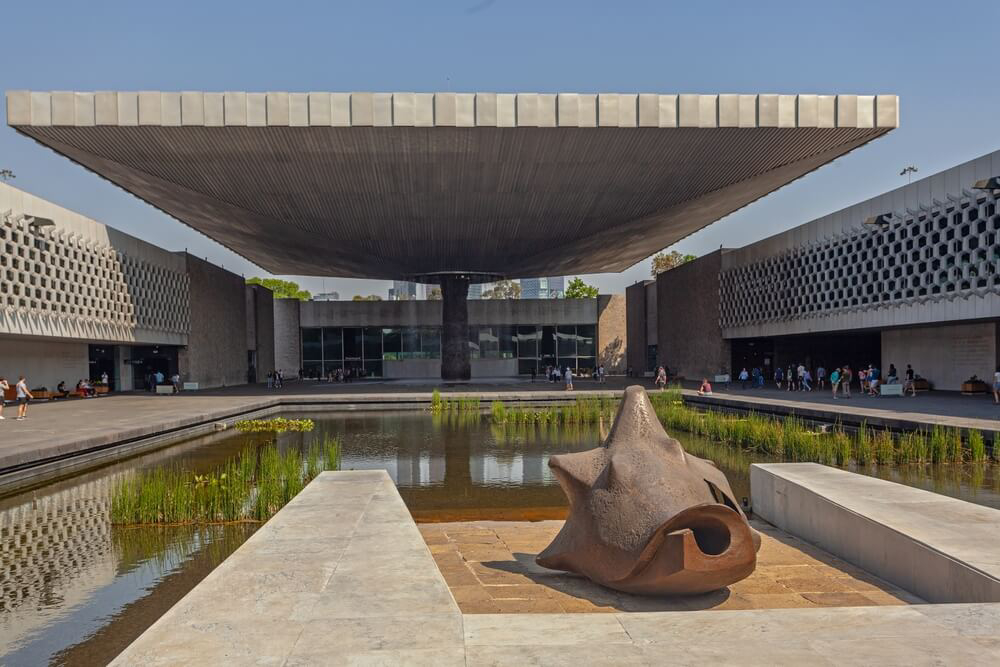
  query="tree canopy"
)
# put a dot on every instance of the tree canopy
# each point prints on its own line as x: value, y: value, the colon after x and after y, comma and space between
x: 434, y: 294
x: 283, y: 289
x: 503, y: 289
x: 664, y: 261
x: 370, y: 297
x: 577, y: 289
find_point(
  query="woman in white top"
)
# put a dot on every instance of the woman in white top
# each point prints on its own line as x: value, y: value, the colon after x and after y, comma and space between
x: 22, y: 398
x: 3, y: 398
x: 568, y: 376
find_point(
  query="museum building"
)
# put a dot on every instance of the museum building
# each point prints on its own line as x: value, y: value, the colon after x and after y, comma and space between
x: 911, y: 276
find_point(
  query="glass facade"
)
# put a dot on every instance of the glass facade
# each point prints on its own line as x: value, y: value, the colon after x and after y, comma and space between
x: 324, y: 350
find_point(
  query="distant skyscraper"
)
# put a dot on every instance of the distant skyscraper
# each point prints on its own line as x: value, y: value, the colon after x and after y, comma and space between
x: 326, y: 296
x: 476, y: 290
x: 405, y: 290
x: 542, y: 288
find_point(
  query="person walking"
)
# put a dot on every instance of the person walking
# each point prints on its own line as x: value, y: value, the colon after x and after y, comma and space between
x: 908, y: 383
x: 568, y: 377
x: 777, y: 377
x: 845, y: 380
x: 800, y: 373
x: 790, y: 378
x: 863, y: 379
x: 807, y: 380
x: 23, y: 396
x: 835, y: 381
x: 661, y: 378
x: 743, y: 377
x: 533, y: 374
x: 996, y: 387
x: 821, y: 377
x: 4, y: 386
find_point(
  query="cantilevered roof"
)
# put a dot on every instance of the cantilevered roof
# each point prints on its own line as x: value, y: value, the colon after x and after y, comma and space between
x: 392, y: 185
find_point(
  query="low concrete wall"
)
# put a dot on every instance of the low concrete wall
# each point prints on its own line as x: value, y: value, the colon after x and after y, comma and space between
x: 412, y: 368
x: 940, y: 548
x: 493, y: 368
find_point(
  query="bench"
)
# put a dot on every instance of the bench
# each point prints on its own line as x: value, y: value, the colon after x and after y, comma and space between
x: 164, y: 389
x: 891, y: 389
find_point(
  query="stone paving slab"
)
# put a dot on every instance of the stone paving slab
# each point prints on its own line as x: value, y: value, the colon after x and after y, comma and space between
x: 941, y: 548
x: 341, y: 575
x: 490, y: 568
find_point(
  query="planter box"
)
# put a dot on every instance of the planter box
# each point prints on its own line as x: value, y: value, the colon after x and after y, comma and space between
x: 102, y: 389
x: 972, y: 388
x: 921, y: 384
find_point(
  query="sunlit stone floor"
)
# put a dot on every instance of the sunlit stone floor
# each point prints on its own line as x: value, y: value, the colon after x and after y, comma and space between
x: 490, y: 568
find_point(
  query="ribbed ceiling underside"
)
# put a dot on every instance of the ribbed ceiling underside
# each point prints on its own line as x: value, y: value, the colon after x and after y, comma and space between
x: 391, y: 202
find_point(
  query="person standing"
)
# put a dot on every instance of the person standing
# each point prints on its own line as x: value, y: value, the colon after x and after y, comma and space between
x: 568, y: 377
x: 743, y: 377
x: 821, y: 377
x: 777, y: 377
x: 23, y: 395
x: 845, y: 380
x: 835, y: 381
x: 532, y: 374
x: 863, y: 376
x: 908, y: 383
x: 800, y: 373
x: 790, y: 378
x: 600, y: 373
x: 996, y: 387
x: 3, y: 394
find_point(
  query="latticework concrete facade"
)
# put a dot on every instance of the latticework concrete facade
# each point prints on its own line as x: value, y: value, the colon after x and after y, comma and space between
x: 938, y: 244
x: 78, y: 279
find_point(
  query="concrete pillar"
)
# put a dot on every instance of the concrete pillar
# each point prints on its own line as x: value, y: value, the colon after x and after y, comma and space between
x: 455, y: 364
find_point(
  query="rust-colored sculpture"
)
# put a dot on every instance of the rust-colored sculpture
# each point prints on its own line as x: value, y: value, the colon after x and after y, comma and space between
x: 646, y: 517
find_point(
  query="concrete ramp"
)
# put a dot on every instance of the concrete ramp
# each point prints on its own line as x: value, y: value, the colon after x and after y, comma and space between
x: 940, y: 548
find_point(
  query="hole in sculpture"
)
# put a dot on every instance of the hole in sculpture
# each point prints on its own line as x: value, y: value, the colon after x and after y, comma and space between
x: 711, y: 535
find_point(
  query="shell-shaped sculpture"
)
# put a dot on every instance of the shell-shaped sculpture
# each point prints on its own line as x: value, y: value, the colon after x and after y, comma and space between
x: 645, y: 516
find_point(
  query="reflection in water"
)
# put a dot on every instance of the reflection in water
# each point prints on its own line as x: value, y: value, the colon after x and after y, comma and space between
x: 76, y: 590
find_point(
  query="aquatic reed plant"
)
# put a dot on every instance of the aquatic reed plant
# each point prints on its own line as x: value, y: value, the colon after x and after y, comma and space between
x: 251, y: 486
x: 440, y: 405
x: 885, y: 451
x: 275, y: 425
x: 977, y: 446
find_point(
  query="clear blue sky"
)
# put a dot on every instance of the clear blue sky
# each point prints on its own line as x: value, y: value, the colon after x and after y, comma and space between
x: 939, y: 57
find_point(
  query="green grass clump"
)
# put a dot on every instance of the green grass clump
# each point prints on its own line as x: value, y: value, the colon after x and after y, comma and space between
x: 275, y: 425
x: 441, y: 405
x: 251, y: 486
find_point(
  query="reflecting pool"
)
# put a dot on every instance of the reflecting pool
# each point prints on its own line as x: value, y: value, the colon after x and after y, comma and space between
x: 76, y: 590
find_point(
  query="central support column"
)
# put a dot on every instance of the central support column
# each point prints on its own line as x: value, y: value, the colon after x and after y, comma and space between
x: 455, y: 364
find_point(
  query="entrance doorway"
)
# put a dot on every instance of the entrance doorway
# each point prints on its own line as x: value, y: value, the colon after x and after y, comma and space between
x: 101, y: 360
x: 150, y: 359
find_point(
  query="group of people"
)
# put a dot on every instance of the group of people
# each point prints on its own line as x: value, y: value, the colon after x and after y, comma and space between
x: 22, y: 393
x: 156, y: 378
x: 275, y: 379
x: 799, y: 377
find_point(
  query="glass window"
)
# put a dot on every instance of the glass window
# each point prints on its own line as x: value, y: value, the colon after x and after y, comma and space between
x: 585, y: 365
x: 392, y: 343
x: 585, y: 335
x: 527, y: 342
x: 311, y: 368
x: 474, y: 342
x: 411, y: 343
x: 333, y: 344
x: 430, y: 342
x: 312, y: 347
x: 331, y: 366
x: 505, y: 338
x: 567, y: 341
x: 525, y: 366
x: 352, y: 343
x: 548, y: 341
x: 373, y: 368
x: 489, y: 346
x: 373, y: 343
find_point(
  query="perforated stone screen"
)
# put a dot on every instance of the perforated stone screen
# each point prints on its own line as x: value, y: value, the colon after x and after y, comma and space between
x: 57, y: 274
x: 950, y: 251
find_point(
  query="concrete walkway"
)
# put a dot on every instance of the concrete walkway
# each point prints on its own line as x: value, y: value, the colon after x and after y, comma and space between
x: 342, y: 576
x: 61, y: 436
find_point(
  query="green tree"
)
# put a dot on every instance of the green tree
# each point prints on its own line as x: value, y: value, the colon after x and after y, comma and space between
x: 434, y: 294
x: 577, y: 289
x: 664, y: 261
x: 283, y: 289
x: 370, y: 297
x: 503, y: 289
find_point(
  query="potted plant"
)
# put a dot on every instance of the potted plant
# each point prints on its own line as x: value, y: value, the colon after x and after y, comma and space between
x: 974, y: 386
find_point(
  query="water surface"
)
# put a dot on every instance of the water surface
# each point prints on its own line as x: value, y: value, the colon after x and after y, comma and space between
x: 76, y: 590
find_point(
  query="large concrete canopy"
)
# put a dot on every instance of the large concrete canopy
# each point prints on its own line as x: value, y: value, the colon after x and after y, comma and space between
x: 397, y: 185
